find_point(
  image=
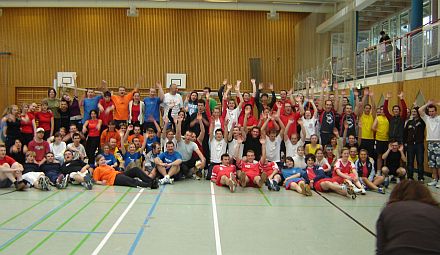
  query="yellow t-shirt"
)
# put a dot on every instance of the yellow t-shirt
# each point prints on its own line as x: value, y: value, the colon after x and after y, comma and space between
x: 367, y: 122
x: 311, y: 149
x: 383, y: 127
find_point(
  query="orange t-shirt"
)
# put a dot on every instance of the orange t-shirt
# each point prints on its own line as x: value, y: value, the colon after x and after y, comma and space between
x: 141, y: 138
x: 106, y: 173
x: 121, y: 106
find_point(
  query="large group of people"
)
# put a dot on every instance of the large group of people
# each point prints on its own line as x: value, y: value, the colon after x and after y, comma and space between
x: 331, y: 142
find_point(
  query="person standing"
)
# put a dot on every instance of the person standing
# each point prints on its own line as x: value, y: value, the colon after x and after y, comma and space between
x: 174, y: 99
x: 54, y: 103
x: 152, y: 107
x: 414, y: 137
x: 121, y: 101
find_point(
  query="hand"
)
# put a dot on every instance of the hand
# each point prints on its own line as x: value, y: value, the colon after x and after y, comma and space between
x: 389, y: 146
x: 336, y: 132
x: 262, y: 141
x: 300, y: 122
x: 279, y: 104
x: 388, y: 96
x: 324, y: 83
x: 186, y: 98
x: 290, y: 121
x: 226, y: 122
x: 366, y: 92
x: 103, y: 83
x: 345, y: 124
x: 108, y: 110
x: 253, y: 81
x: 400, y: 95
x: 271, y: 86
x: 335, y: 86
x: 239, y: 139
x: 199, y: 116
x: 165, y: 119
x: 370, y: 93
x: 151, y: 118
x: 247, y: 111
x: 260, y: 86
x: 180, y: 118
x: 104, y: 182
x: 237, y: 86
x: 401, y: 148
x: 158, y: 84
x: 130, y: 128
x: 343, y: 93
x: 356, y: 93
x: 172, y: 103
x: 225, y: 81
x: 350, y: 85
x: 229, y: 87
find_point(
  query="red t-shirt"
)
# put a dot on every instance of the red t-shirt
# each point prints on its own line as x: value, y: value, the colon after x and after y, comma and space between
x: 283, y: 102
x: 7, y: 160
x: 285, y: 118
x: 40, y: 149
x: 220, y: 170
x: 93, y: 131
x: 310, y: 173
x: 26, y: 126
x: 252, y: 121
x: 106, y: 117
x: 345, y: 169
x: 269, y: 167
x: 135, y: 111
x: 44, y: 120
x: 249, y: 167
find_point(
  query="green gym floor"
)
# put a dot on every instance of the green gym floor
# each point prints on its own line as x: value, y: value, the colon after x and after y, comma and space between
x: 185, y: 218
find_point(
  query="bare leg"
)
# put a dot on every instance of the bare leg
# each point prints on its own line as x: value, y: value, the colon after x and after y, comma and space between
x: 174, y: 170
x: 333, y: 187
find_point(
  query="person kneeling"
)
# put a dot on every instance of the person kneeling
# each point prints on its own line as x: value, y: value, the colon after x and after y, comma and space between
x: 107, y: 175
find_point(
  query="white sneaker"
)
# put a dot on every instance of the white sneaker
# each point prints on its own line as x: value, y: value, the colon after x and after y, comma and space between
x: 432, y: 183
x: 363, y: 192
x: 162, y: 181
x: 356, y: 189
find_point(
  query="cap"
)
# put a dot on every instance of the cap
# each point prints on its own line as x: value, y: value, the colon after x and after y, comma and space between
x: 40, y: 129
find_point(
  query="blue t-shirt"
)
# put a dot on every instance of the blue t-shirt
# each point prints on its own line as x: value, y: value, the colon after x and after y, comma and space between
x: 128, y: 157
x: 291, y: 171
x: 152, y: 108
x: 90, y: 104
x: 109, y: 159
x: 169, y: 158
x: 150, y: 142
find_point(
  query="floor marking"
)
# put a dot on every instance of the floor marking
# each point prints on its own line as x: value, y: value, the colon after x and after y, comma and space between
x: 99, y: 222
x: 66, y: 231
x: 265, y: 197
x: 347, y: 214
x: 38, y: 222
x: 9, y: 192
x: 113, y: 228
x: 218, y: 244
x: 149, y: 214
x: 38, y: 245
x: 27, y: 209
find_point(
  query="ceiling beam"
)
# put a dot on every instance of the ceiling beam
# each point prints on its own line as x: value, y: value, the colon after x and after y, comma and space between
x: 171, y: 5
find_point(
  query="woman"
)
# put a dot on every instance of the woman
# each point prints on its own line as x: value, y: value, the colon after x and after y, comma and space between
x: 321, y: 161
x: 12, y: 129
x: 110, y: 158
x: 414, y: 137
x: 191, y: 102
x: 93, y: 127
x: 310, y: 121
x: 345, y: 173
x: 293, y: 179
x: 27, y: 128
x: 409, y: 222
x: 18, y: 151
x: 74, y: 109
x: 53, y: 104
x: 313, y: 145
x: 45, y: 120
x: 136, y: 110
x: 365, y: 169
x: 107, y: 175
x: 58, y: 147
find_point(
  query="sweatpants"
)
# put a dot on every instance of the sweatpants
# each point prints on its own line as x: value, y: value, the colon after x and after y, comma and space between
x: 127, y: 178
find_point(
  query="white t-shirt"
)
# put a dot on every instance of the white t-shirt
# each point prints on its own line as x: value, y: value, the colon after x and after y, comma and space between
x: 217, y: 125
x: 231, y: 148
x: 273, y: 149
x: 217, y: 149
x: 232, y: 116
x: 176, y: 99
x: 310, y: 126
x: 432, y: 127
x: 186, y: 149
x: 291, y: 149
x: 78, y: 150
x: 58, y: 150
x: 299, y: 162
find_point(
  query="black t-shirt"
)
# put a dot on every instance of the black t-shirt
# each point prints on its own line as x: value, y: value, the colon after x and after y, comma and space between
x: 393, y: 160
x: 50, y: 168
x: 252, y: 144
x: 30, y: 167
x: 327, y: 121
x: 72, y: 166
x: 19, y: 157
x: 351, y: 121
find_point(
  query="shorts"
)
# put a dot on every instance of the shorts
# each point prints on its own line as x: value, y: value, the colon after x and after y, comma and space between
x: 381, y: 147
x: 317, y: 184
x: 434, y: 154
x: 5, y: 183
x: 340, y: 180
x: 32, y: 177
x: 295, y: 180
x: 251, y: 176
x: 219, y: 177
x: 71, y: 175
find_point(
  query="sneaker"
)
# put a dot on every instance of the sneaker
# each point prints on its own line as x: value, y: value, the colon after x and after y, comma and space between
x: 363, y: 191
x: 381, y: 190
x: 47, y: 181
x: 303, y: 188
x: 276, y: 187
x: 198, y: 174
x: 357, y: 190
x: 242, y: 179
x: 42, y: 182
x: 65, y: 182
x: 308, y: 190
x: 432, y: 183
x: 170, y: 180
x: 263, y: 178
x: 154, y: 184
x: 87, y: 182
x: 350, y: 191
x: 269, y: 184
x: 20, y: 185
x: 386, y: 182
x: 162, y: 181
x: 59, y: 180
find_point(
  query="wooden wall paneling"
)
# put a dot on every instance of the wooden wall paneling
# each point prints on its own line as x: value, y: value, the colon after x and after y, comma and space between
x: 429, y: 87
x: 382, y: 89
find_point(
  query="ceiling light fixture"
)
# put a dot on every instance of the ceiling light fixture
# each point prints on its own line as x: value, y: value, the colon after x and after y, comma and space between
x: 273, y: 15
x: 132, y: 11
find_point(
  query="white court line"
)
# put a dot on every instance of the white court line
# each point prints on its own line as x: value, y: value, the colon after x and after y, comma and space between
x: 218, y: 245
x: 102, y: 243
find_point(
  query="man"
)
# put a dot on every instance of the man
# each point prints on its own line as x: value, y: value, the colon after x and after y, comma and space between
x: 149, y: 164
x: 290, y: 114
x: 106, y: 108
x: 77, y: 148
x: 212, y: 102
x: 64, y: 112
x: 168, y: 164
x: 397, y: 120
x: 39, y: 146
x: 224, y: 174
x: 249, y: 174
x: 89, y: 103
x: 186, y: 148
x: 251, y: 141
x: 152, y: 106
x: 136, y: 133
x: 120, y: 102
x: 73, y: 129
x: 273, y: 144
x: 109, y: 133
x: 263, y: 101
x: 270, y: 168
x: 172, y: 98
x: 282, y: 102
x: 10, y: 171
x: 218, y: 141
x: 432, y: 122
x: 393, y: 157
x: 52, y: 170
x: 76, y: 170
x: 366, y: 120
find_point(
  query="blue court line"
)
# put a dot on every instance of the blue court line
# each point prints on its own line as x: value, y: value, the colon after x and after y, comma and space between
x: 149, y: 214
x: 66, y: 231
x: 36, y: 223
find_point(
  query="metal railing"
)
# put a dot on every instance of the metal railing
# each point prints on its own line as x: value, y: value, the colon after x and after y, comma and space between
x: 418, y: 49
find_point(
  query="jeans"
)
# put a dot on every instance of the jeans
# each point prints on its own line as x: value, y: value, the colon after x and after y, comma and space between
x: 418, y: 151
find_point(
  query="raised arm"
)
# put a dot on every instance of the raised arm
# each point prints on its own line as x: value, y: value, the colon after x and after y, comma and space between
x: 178, y: 123
x: 404, y: 112
x: 221, y: 90
x: 373, y: 104
x: 423, y: 108
x: 254, y: 87
x: 385, y: 106
x: 202, y: 129
x: 160, y: 91
x: 274, y: 97
x: 321, y: 94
